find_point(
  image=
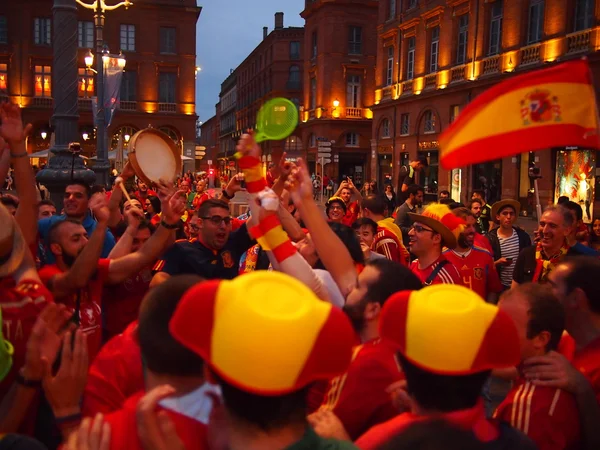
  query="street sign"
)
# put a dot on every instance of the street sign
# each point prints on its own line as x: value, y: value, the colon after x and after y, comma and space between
x: 324, y: 144
x: 209, y: 162
x: 336, y: 158
x: 324, y: 155
x: 325, y: 160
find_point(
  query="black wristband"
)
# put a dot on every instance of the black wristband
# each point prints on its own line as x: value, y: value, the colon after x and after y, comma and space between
x: 20, y: 379
x: 226, y: 195
x: 173, y: 226
x: 68, y: 419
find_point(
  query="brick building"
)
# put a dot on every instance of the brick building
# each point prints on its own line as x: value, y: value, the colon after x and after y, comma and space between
x: 209, y: 138
x: 227, y: 116
x: 158, y: 40
x: 339, y: 77
x: 434, y: 57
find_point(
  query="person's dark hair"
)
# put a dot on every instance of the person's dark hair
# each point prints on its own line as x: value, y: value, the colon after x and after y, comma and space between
x: 365, y: 222
x: 206, y: 206
x: 479, y: 192
x: 455, y: 205
x: 146, y: 225
x: 423, y: 160
x: 373, y: 203
x: 584, y: 273
x: 434, y: 435
x: 393, y: 277
x: 161, y: 353
x: 546, y: 313
x: 566, y: 214
x: 443, y: 393
x: 414, y: 189
x: 88, y: 190
x: 562, y: 200
x: 97, y: 189
x: 54, y: 230
x: 444, y: 192
x: 46, y: 203
x: 9, y: 201
x: 576, y: 208
x: 155, y: 202
x: 264, y: 412
x: 463, y: 213
x: 475, y: 200
x: 446, y: 201
x: 348, y: 237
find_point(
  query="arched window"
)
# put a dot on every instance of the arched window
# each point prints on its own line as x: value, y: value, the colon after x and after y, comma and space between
x: 125, y: 133
x: 385, y: 128
x: 293, y: 144
x: 429, y: 119
x: 172, y: 134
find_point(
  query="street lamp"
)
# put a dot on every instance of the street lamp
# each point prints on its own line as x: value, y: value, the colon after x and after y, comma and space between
x: 85, y: 136
x: 99, y: 7
x: 127, y: 137
x: 43, y: 134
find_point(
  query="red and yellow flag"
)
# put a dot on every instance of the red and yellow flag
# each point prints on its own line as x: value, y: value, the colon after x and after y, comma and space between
x: 553, y: 107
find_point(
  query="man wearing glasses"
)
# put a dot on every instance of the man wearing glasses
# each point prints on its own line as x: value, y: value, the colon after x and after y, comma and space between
x: 431, y: 231
x: 214, y: 254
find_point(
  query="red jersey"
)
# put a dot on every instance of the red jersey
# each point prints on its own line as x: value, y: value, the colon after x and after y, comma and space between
x: 123, y: 427
x: 386, y: 243
x: 359, y: 397
x: 549, y: 416
x: 115, y: 375
x: 142, y: 199
x: 448, y: 274
x: 587, y: 361
x: 122, y: 302
x: 477, y: 270
x: 468, y: 419
x: 199, y: 199
x: 351, y: 213
x: 90, y: 303
x: 21, y: 305
x: 483, y: 242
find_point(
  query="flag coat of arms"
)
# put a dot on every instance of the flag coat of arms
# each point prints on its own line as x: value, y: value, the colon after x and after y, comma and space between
x: 553, y: 107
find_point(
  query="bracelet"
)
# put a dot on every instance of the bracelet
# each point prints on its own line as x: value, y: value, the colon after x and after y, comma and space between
x: 67, y: 419
x: 226, y: 195
x: 20, y: 379
x: 172, y: 226
x: 19, y: 155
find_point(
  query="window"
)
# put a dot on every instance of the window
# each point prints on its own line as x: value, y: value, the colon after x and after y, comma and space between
x: 85, y: 34
x: 463, y: 34
x: 495, y: 28
x: 314, y: 45
x: 3, y: 30
x: 410, y: 59
x: 167, y: 40
x: 536, y: 21
x: 294, y: 78
x: 129, y: 86
x: 312, y: 142
x: 429, y: 177
x: 294, y: 50
x: 385, y: 128
x: 355, y: 41
x: 353, y: 91
x: 3, y: 78
x: 454, y: 111
x: 351, y: 140
x: 404, y: 124
x: 128, y: 38
x: 584, y: 14
x: 392, y: 9
x: 166, y: 87
x: 412, y: 4
x: 43, y: 81
x: 313, y: 93
x: 41, y: 31
x: 429, y: 121
x: 85, y: 83
x: 434, y: 49
x: 389, y: 74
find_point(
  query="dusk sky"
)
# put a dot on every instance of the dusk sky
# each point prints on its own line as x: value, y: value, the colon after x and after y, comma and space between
x: 227, y: 31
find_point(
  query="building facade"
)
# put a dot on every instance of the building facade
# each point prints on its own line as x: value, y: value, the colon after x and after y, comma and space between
x: 227, y: 118
x: 209, y: 139
x: 434, y: 57
x: 340, y: 49
x: 158, y: 40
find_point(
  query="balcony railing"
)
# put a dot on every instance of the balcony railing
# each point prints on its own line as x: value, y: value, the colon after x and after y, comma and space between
x: 387, y: 93
x: 311, y: 114
x: 491, y: 65
x: 530, y: 54
x: 127, y: 106
x: 354, y: 113
x: 167, y: 107
x: 42, y: 102
x: 430, y: 81
x: 407, y: 87
x: 457, y: 74
x: 84, y: 103
x: 578, y: 42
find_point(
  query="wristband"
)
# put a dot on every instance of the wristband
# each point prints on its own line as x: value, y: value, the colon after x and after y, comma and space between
x: 271, y: 237
x: 19, y: 155
x: 68, y: 419
x: 173, y: 226
x: 20, y: 379
x: 226, y: 195
x: 255, y: 182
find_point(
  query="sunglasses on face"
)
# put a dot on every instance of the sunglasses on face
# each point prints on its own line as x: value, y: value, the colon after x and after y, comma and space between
x: 216, y: 220
x: 421, y: 228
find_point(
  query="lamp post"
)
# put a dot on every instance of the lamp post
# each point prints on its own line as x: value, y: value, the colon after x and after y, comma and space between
x: 102, y: 165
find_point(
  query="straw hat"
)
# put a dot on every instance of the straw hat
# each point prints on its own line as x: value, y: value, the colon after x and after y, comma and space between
x: 439, y: 218
x: 12, y: 244
x: 481, y: 337
x: 265, y: 333
x: 496, y: 207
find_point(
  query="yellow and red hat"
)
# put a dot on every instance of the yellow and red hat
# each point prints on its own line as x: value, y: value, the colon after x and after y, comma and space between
x: 440, y: 218
x: 265, y: 332
x: 449, y: 330
x: 336, y: 199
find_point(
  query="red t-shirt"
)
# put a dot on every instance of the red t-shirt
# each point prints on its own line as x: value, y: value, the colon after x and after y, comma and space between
x: 359, y: 397
x: 447, y: 275
x: 90, y: 300
x: 477, y: 270
x: 468, y: 419
x: 386, y: 243
x: 549, y: 416
x: 123, y: 428
x: 587, y: 361
x: 115, y: 375
x: 21, y: 305
x: 351, y: 213
x: 122, y: 302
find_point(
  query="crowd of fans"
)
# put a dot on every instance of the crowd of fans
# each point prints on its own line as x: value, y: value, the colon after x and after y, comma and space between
x: 161, y: 322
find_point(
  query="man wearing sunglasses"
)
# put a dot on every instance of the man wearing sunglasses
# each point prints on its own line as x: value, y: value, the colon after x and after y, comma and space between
x: 216, y: 251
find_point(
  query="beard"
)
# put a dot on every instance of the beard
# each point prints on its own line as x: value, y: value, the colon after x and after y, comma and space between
x: 69, y: 260
x: 356, y: 314
x: 463, y: 242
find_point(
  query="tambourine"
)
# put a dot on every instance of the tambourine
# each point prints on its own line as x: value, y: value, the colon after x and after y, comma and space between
x: 154, y: 156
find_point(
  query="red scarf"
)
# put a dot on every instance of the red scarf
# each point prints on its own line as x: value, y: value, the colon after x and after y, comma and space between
x: 545, y: 265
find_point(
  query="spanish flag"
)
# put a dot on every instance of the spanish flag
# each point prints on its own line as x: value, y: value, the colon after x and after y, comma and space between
x: 553, y: 107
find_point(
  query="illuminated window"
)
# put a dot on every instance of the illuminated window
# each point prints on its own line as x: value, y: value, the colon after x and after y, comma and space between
x: 584, y: 14
x: 495, y: 28
x: 351, y: 140
x: 128, y: 38
x: 355, y: 41
x: 3, y: 78
x: 536, y: 21
x: 454, y: 112
x: 85, y: 83
x: 85, y: 34
x: 434, y: 49
x: 353, y: 94
x: 410, y: 59
x: 3, y: 30
x: 43, y: 81
x: 404, y: 124
x: 429, y: 122
x: 461, y: 44
x: 385, y: 128
x: 41, y: 31
x: 167, y: 40
x: 389, y: 75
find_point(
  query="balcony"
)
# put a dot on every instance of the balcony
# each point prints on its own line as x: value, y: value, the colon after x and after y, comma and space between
x: 407, y: 87
x: 84, y: 104
x: 354, y: 113
x: 167, y: 107
x: 457, y: 74
x: 430, y: 81
x: 311, y: 114
x: 128, y: 106
x: 42, y: 102
x: 579, y: 42
x: 386, y: 93
x: 530, y: 54
x: 491, y: 65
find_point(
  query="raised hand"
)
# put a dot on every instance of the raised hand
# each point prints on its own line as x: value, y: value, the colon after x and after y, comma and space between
x: 285, y: 166
x: 235, y: 184
x: 93, y: 434
x: 327, y: 425
x: 11, y: 124
x: 299, y: 184
x: 99, y: 207
x: 127, y: 172
x: 172, y: 201
x: 248, y: 146
x: 268, y: 202
x: 133, y: 218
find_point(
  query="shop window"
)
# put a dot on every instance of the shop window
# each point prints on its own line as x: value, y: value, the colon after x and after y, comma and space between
x: 429, y: 177
x: 43, y: 81
x: 85, y: 85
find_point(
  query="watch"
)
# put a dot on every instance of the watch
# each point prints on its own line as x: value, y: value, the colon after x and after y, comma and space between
x: 20, y: 379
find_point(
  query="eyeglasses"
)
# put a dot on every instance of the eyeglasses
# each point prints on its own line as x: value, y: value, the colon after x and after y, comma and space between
x: 420, y: 229
x: 193, y: 226
x: 216, y: 220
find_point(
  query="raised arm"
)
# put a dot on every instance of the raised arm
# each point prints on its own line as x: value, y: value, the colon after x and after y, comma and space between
x: 123, y: 247
x: 114, y: 204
